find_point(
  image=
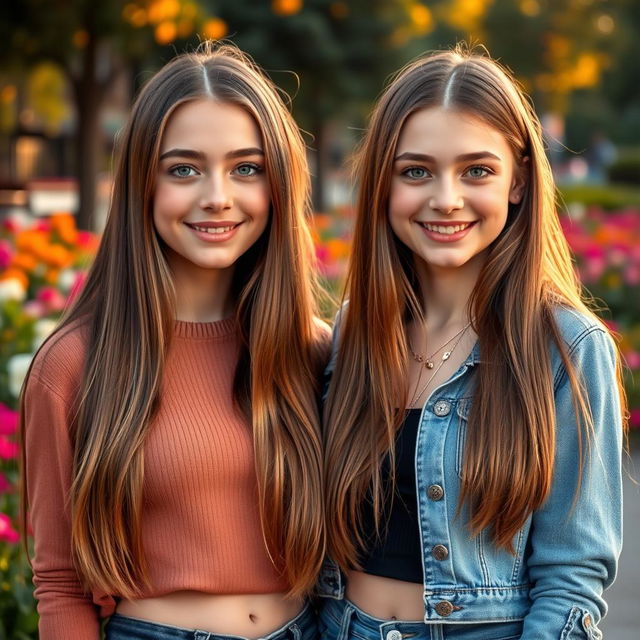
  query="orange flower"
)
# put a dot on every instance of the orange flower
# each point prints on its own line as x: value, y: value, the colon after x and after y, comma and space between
x: 30, y: 240
x: 286, y: 7
x: 322, y: 221
x: 51, y: 276
x: 17, y: 274
x: 337, y: 248
x: 24, y: 261
x: 58, y: 256
x: 64, y: 225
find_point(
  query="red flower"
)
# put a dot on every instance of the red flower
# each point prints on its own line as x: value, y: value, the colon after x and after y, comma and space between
x: 7, y: 532
x: 8, y: 420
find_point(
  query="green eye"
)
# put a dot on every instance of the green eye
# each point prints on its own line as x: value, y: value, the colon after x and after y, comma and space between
x: 247, y: 170
x: 183, y: 171
x: 478, y: 172
x: 416, y: 173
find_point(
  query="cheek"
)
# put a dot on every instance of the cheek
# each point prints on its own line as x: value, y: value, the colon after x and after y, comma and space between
x: 169, y: 201
x: 404, y: 201
x: 493, y: 204
x: 257, y: 202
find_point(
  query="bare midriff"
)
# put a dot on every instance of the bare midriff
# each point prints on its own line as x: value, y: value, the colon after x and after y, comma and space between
x: 385, y: 598
x: 248, y: 615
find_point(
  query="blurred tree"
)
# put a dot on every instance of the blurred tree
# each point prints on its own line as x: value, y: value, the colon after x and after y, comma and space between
x: 339, y: 53
x: 91, y: 42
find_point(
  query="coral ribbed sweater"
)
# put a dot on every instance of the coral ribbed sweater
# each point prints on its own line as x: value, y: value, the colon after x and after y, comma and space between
x: 201, y: 526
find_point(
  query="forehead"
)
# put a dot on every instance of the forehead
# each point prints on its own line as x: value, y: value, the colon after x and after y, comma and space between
x: 206, y: 121
x: 440, y: 130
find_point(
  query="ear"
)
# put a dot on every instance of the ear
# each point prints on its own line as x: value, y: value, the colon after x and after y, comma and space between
x: 519, y: 181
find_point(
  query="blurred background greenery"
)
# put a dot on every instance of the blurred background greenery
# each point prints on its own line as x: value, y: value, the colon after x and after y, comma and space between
x: 69, y: 70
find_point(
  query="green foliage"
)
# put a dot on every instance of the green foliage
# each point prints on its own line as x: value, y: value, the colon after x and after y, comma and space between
x: 608, y: 197
x: 626, y: 169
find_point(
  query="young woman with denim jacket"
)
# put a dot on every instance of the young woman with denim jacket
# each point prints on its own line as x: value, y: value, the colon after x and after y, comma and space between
x: 474, y: 414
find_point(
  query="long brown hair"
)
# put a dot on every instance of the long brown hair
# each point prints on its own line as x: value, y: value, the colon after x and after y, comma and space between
x: 128, y: 304
x: 510, y: 443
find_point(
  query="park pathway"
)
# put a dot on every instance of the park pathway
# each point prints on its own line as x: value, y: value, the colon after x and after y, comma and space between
x: 623, y: 620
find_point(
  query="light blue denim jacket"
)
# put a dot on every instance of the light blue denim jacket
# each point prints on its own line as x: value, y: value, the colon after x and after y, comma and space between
x: 567, y: 551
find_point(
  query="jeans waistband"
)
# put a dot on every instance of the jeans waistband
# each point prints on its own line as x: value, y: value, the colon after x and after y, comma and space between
x: 121, y: 627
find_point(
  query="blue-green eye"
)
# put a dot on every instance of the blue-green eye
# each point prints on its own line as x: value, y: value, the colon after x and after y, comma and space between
x: 478, y: 172
x: 182, y: 171
x: 247, y: 170
x: 416, y: 173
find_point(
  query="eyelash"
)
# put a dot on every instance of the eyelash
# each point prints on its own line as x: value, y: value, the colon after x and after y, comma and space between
x: 256, y: 170
x: 486, y: 170
x: 407, y: 172
x: 174, y: 170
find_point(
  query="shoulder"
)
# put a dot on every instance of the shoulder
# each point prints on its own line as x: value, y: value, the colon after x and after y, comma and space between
x: 577, y: 327
x: 59, y: 363
x: 587, y: 342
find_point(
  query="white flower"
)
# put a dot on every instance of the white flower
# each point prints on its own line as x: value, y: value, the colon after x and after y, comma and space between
x: 17, y: 368
x: 67, y: 279
x: 12, y: 289
x: 42, y: 328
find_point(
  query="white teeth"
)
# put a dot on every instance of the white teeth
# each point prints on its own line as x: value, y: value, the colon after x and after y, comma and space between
x: 213, y: 230
x: 448, y: 230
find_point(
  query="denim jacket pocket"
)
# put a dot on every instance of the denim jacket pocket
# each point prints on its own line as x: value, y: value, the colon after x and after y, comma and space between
x: 580, y: 626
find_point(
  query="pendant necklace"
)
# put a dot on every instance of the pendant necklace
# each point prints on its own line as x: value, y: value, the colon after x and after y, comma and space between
x: 426, y: 361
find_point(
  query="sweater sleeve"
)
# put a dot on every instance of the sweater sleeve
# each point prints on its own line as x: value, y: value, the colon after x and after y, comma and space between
x: 66, y: 610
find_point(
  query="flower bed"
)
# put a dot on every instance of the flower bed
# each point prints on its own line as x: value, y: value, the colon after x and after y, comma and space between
x: 41, y: 269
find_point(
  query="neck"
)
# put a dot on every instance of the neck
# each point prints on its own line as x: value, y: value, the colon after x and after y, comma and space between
x: 446, y: 293
x: 204, y: 296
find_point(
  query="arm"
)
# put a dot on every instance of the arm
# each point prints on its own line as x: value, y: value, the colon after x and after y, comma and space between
x: 66, y: 610
x: 576, y: 538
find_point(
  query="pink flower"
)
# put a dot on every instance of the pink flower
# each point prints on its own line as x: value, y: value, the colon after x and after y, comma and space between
x: 8, y: 420
x: 51, y: 298
x: 635, y: 418
x: 77, y: 285
x: 8, y: 450
x: 10, y: 225
x: 633, y: 359
x: 7, y: 532
x: 34, y: 309
x: 6, y: 253
x: 5, y: 485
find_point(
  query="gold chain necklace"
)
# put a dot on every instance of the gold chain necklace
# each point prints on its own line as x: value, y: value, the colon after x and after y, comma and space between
x: 416, y: 393
x: 428, y: 360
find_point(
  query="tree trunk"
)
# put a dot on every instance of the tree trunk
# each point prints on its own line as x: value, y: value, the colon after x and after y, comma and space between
x: 89, y: 94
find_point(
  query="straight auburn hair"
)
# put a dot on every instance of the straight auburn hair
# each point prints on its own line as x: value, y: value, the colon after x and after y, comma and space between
x: 510, y: 441
x: 128, y: 308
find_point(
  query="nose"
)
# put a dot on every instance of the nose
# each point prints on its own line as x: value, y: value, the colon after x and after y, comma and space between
x: 217, y: 194
x: 446, y: 197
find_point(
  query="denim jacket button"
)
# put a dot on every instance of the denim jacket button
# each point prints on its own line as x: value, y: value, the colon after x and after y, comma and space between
x: 394, y: 634
x: 435, y: 492
x: 442, y: 408
x: 440, y: 552
x: 444, y: 608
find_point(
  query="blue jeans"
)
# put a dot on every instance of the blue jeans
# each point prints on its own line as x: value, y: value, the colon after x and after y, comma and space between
x: 342, y: 620
x: 302, y: 627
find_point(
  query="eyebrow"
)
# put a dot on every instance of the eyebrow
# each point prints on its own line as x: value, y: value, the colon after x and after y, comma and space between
x: 198, y: 155
x: 465, y: 157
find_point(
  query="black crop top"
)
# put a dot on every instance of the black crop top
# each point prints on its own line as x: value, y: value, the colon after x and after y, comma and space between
x: 397, y: 553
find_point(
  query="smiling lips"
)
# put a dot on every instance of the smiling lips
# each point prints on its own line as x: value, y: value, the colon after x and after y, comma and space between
x: 446, y: 231
x: 213, y: 228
